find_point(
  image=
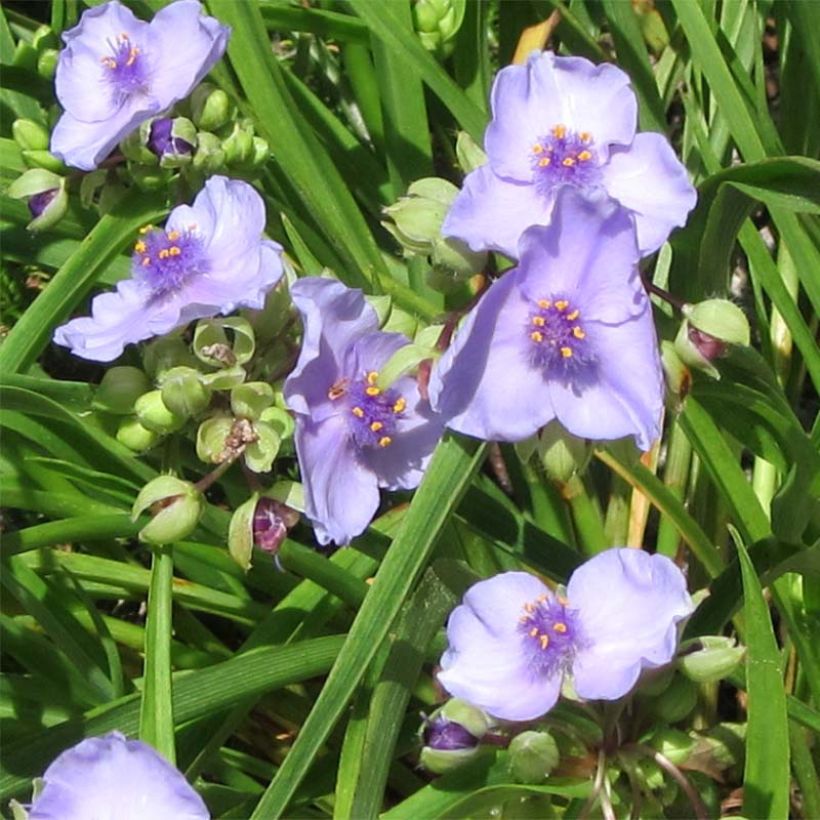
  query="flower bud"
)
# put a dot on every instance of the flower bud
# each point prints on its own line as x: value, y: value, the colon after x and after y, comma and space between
x: 213, y: 347
x: 716, y: 657
x: 30, y: 135
x: 153, y: 413
x: 437, y: 22
x: 209, y: 155
x: 211, y: 438
x: 261, y: 152
x: 533, y: 755
x: 469, y: 153
x: 678, y: 376
x: 260, y: 453
x: 250, y: 399
x: 135, y: 437
x: 238, y: 146
x: 211, y: 107
x: 120, y: 388
x: 134, y: 146
x: 707, y: 330
x: 44, y: 37
x: 149, y: 179
x: 676, y: 701
x: 673, y: 744
x: 183, y: 392
x: 46, y: 196
x: 172, y: 140
x: 263, y: 522
x: 451, y: 735
x: 176, y: 506
x: 562, y: 454
x: 47, y: 63
x: 164, y: 353
x: 41, y: 158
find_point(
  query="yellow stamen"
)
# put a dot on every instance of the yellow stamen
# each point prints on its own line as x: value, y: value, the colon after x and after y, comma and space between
x: 337, y: 391
x: 372, y: 376
x: 164, y: 253
x: 385, y: 441
x: 174, y: 251
x: 539, y: 321
x: 534, y: 632
x: 578, y: 333
x: 537, y: 336
x: 400, y: 404
x: 566, y: 352
x: 140, y: 246
x: 561, y: 304
x: 543, y: 163
x: 145, y: 228
x: 376, y: 426
x: 562, y: 599
x: 568, y: 162
x: 372, y: 391
x: 542, y: 599
x: 358, y: 412
x: 544, y: 303
x: 173, y: 235
x: 545, y: 641
x: 574, y: 315
x: 146, y: 261
x: 584, y: 156
x: 559, y: 627
x: 560, y: 131
x: 585, y: 136
x: 108, y: 62
x: 132, y: 56
x: 529, y: 608
x: 537, y: 148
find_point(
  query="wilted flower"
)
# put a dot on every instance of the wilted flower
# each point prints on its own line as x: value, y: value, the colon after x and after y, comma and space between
x: 117, y: 71
x: 112, y: 778
x: 210, y: 258
x: 352, y: 436
x: 512, y: 640
x: 562, y: 121
x: 568, y: 334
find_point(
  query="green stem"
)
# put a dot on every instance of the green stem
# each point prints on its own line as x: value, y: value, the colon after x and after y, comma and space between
x: 586, y: 515
x: 676, y: 478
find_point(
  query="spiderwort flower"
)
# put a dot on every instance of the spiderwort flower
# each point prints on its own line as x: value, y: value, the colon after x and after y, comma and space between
x: 210, y: 258
x: 352, y: 436
x: 512, y: 640
x: 117, y: 71
x: 112, y: 778
x: 562, y: 121
x: 568, y: 334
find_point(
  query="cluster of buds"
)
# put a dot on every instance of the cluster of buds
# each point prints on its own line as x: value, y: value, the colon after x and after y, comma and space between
x: 437, y: 23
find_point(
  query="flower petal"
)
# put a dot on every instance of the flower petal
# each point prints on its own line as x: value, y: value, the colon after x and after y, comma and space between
x: 341, y: 494
x: 111, y: 778
x: 649, y: 179
x: 628, y: 606
x: 491, y: 213
x: 485, y: 385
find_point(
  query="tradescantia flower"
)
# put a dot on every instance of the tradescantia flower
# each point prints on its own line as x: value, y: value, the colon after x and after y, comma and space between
x: 112, y: 778
x: 352, y: 436
x: 117, y: 71
x: 563, y: 121
x: 512, y: 640
x: 566, y: 335
x: 209, y: 259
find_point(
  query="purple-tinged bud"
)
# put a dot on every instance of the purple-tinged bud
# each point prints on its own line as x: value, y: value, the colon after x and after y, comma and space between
x: 445, y: 735
x: 166, y: 137
x: 263, y: 522
x: 45, y: 194
x: 451, y: 735
x: 175, y: 505
x: 39, y: 202
x: 707, y: 331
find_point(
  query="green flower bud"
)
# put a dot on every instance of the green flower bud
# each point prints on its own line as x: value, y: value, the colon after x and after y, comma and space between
x: 47, y: 63
x: 209, y: 156
x: 44, y: 37
x: 149, y: 179
x: 176, y: 506
x: 238, y: 146
x: 213, y: 346
x: 211, y: 438
x: 562, y: 454
x: 30, y: 135
x: 533, y: 755
x: 164, y: 353
x: 441, y: 761
x: 250, y: 399
x: 437, y: 22
x: 183, y: 392
x: 25, y: 56
x: 240, y: 532
x: 673, y: 744
x: 261, y: 152
x: 225, y: 379
x: 280, y: 420
x: 211, y: 107
x: 708, y: 328
x: 267, y: 323
x: 120, y: 388
x: 454, y: 258
x: 715, y: 658
x: 654, y: 682
x: 134, y: 436
x: 676, y: 701
x: 451, y: 735
x: 260, y: 454
x: 43, y: 159
x: 46, y: 194
x: 90, y: 184
x: 153, y: 413
x: 134, y: 147
x: 18, y: 811
x: 678, y: 375
x: 469, y: 153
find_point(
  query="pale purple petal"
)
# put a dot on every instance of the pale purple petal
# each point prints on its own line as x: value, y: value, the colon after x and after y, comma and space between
x: 629, y: 604
x: 484, y: 385
x: 371, y: 352
x: 649, y: 179
x: 341, y: 494
x: 491, y: 213
x: 112, y: 778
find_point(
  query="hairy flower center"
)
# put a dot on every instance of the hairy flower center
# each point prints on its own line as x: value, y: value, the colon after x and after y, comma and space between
x: 165, y: 260
x: 372, y: 412
x: 557, y: 336
x: 564, y: 157
x: 125, y: 68
x: 549, y: 633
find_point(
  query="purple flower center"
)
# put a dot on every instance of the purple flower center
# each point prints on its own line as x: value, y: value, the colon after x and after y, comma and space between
x: 39, y: 202
x: 563, y: 157
x: 165, y: 260
x: 161, y: 140
x: 125, y: 69
x: 558, y: 340
x: 447, y: 735
x: 373, y: 412
x: 549, y: 634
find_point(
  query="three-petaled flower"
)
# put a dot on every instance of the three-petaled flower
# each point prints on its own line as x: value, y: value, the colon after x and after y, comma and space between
x: 568, y: 334
x: 352, y: 434
x: 563, y: 121
x: 117, y: 71
x: 209, y: 259
x: 512, y: 640
x: 112, y: 778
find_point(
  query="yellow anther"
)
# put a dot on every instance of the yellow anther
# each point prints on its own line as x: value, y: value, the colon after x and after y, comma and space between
x: 534, y: 632
x: 539, y: 321
x: 400, y: 405
x: 559, y: 627
x: 559, y: 131
x: 174, y: 251
x: 562, y: 599
x: 140, y: 246
x: 585, y: 136
x: 566, y: 352
x: 524, y: 619
x: 372, y: 391
x: 578, y: 333
x: 542, y: 599
x: 337, y: 391
x: 372, y: 377
x: 358, y: 412
x: 173, y: 235
x: 537, y: 148
x: 543, y: 163
x: 561, y: 304
x: 145, y: 228
x: 574, y: 315
x: 385, y: 441
x: 568, y: 162
x: 108, y: 62
x: 529, y: 608
x: 376, y: 426
x: 537, y: 336
x: 544, y: 303
x: 132, y: 56
x: 164, y: 253
x: 146, y: 261
x: 584, y: 156
x: 545, y: 641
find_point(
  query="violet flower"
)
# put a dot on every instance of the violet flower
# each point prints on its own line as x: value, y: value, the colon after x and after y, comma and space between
x: 568, y: 334
x: 209, y: 259
x: 562, y: 121
x: 117, y: 71
x: 512, y: 640
x: 352, y: 436
x: 112, y: 778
